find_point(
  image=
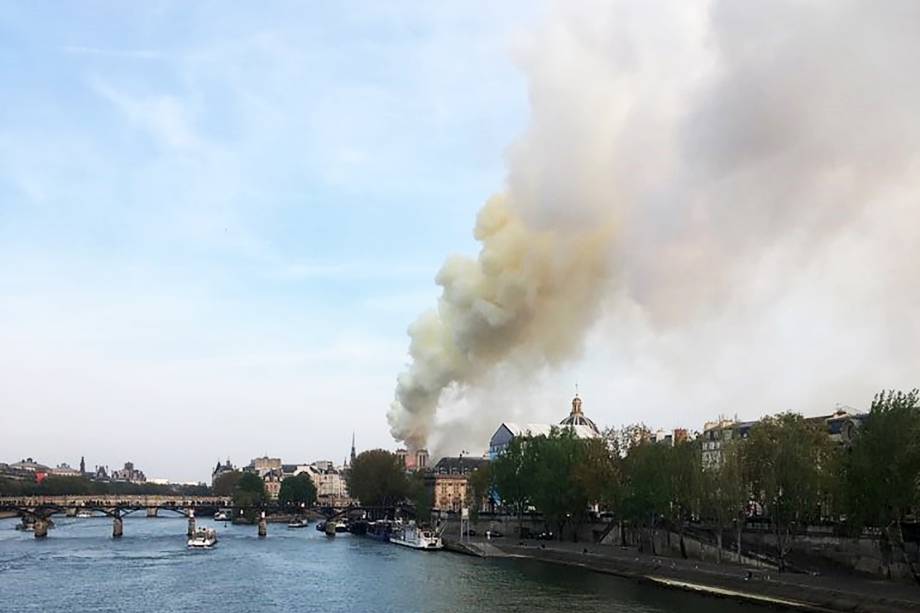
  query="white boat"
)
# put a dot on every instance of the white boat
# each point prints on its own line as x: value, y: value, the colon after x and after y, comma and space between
x: 84, y: 514
x: 221, y: 516
x: 410, y: 535
x: 204, y: 538
x: 341, y: 526
x: 299, y: 523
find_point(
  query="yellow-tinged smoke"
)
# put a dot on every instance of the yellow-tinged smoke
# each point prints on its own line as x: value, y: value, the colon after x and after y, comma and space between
x: 529, y: 292
x: 739, y: 179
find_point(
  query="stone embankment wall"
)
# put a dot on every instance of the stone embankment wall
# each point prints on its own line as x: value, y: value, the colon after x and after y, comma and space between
x: 871, y: 555
x: 667, y: 544
x: 507, y: 525
x: 867, y: 555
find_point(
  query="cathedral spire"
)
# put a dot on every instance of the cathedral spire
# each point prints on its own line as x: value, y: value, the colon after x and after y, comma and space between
x: 353, y: 455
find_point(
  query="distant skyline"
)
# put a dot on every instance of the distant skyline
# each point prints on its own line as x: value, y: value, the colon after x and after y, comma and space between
x: 217, y: 222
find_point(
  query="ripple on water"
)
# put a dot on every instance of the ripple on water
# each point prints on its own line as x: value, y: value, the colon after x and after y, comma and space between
x: 79, y: 567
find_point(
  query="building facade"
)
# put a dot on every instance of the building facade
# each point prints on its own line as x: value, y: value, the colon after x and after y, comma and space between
x: 717, y: 434
x: 576, y: 421
x: 263, y: 465
x: 29, y: 465
x: 129, y: 474
x: 331, y: 487
x: 272, y: 479
x: 64, y: 470
x: 449, y: 483
x: 841, y: 426
x: 221, y: 469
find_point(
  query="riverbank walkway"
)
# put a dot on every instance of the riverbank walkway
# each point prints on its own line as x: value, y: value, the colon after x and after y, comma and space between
x: 849, y: 593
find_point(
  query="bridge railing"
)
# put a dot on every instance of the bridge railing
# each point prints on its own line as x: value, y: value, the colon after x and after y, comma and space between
x: 121, y: 500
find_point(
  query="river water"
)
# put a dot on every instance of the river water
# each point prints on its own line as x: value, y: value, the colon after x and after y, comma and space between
x: 79, y: 567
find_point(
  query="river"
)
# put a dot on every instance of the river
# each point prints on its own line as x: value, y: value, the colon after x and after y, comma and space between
x: 79, y: 567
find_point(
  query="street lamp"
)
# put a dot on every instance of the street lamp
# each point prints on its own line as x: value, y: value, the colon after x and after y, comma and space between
x: 464, y: 512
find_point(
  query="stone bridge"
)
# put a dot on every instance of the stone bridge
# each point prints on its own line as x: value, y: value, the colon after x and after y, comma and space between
x: 36, y: 511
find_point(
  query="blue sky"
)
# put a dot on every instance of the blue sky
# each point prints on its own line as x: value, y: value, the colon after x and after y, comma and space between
x: 216, y: 225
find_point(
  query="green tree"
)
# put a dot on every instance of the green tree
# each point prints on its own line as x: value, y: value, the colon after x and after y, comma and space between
x: 378, y: 478
x: 249, y: 494
x: 226, y: 483
x: 422, y: 496
x: 80, y: 486
x: 598, y: 472
x: 555, y: 492
x: 882, y: 469
x: 479, y: 486
x: 512, y: 477
x: 685, y: 484
x: 784, y: 458
x: 726, y: 492
x: 560, y: 474
x: 647, y: 491
x: 298, y: 490
x: 10, y: 487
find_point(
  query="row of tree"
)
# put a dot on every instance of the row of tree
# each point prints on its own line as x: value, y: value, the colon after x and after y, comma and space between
x: 786, y: 468
x: 248, y: 490
x: 378, y: 478
x: 82, y: 486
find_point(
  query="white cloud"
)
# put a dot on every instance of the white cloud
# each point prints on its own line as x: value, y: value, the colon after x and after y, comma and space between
x: 164, y: 117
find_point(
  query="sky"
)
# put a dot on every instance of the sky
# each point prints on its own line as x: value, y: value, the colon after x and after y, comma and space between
x: 216, y: 225
x: 228, y: 232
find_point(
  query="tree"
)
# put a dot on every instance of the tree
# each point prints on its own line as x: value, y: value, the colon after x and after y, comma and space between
x: 480, y: 487
x: 421, y: 496
x: 784, y: 458
x: 685, y: 476
x: 378, y: 478
x: 599, y: 472
x: 552, y: 461
x: 559, y: 474
x: 647, y: 491
x: 512, y: 477
x: 726, y: 493
x: 249, y: 494
x: 882, y: 467
x: 226, y: 483
x: 298, y: 490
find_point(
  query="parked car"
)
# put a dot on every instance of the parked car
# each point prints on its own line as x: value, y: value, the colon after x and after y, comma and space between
x: 493, y: 534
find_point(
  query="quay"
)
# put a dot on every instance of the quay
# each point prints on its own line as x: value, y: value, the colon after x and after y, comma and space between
x: 825, y: 593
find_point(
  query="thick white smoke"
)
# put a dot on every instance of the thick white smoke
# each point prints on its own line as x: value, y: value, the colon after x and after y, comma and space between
x: 686, y: 158
x: 529, y: 292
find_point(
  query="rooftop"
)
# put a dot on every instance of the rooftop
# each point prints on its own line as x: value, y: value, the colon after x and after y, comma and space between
x: 459, y: 465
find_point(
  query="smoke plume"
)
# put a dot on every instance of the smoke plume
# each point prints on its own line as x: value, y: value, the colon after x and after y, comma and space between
x: 694, y: 161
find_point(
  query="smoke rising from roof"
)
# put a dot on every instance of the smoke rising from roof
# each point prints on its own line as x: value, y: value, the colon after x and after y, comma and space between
x: 694, y: 161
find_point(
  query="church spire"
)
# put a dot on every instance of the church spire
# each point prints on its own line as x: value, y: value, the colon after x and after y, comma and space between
x: 353, y: 455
